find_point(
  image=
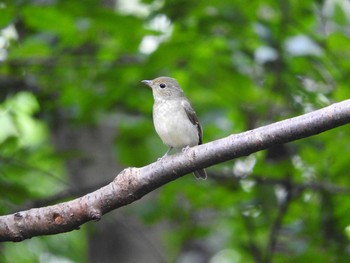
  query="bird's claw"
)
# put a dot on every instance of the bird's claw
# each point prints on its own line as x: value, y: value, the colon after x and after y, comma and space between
x: 185, y: 149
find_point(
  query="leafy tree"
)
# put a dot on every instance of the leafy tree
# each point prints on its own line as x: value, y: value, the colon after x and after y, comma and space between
x: 73, y: 113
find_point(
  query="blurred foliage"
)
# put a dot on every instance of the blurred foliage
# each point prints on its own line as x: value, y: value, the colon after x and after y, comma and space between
x: 242, y: 64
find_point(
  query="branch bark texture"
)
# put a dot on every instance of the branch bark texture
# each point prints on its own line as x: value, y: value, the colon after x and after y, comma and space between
x: 133, y: 183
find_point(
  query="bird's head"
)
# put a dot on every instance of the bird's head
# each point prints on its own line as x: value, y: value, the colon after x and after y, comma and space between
x: 164, y: 88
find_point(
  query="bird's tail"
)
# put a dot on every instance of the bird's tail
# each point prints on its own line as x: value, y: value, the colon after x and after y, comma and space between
x: 200, y: 174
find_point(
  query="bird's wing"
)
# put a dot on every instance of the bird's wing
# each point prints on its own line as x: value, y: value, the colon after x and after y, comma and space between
x: 192, y: 116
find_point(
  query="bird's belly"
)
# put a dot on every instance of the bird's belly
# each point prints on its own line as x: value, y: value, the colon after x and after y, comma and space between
x: 173, y: 126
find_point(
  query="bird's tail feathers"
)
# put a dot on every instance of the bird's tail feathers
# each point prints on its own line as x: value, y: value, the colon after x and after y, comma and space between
x: 200, y: 174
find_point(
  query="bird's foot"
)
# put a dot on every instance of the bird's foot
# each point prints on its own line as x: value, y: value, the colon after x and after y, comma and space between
x: 185, y: 149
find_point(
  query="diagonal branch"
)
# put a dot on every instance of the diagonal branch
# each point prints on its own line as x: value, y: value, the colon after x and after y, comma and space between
x: 133, y: 183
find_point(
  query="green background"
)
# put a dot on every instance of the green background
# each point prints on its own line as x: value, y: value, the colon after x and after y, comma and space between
x: 71, y: 68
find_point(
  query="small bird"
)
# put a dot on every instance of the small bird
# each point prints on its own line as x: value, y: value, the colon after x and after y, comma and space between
x: 174, y: 119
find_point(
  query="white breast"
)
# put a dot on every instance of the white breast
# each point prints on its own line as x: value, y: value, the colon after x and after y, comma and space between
x: 172, y: 124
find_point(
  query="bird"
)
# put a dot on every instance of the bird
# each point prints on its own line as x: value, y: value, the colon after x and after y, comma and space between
x: 174, y: 119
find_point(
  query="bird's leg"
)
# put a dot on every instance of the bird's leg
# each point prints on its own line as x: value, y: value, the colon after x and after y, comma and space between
x: 166, y: 154
x: 184, y: 149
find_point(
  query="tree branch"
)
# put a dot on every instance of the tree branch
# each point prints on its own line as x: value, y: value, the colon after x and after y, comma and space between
x: 277, y: 223
x: 133, y: 183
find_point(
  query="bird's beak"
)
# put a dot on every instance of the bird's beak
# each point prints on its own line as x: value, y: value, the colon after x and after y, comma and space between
x: 147, y: 82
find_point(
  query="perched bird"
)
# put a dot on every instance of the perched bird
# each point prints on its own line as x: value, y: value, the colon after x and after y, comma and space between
x: 174, y: 119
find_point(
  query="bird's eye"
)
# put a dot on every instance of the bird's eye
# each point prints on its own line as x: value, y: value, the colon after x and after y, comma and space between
x: 162, y: 85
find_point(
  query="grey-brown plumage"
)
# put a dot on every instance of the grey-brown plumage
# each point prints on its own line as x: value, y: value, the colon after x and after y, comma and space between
x: 174, y: 119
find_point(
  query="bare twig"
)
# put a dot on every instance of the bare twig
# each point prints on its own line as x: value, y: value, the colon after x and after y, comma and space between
x: 277, y: 223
